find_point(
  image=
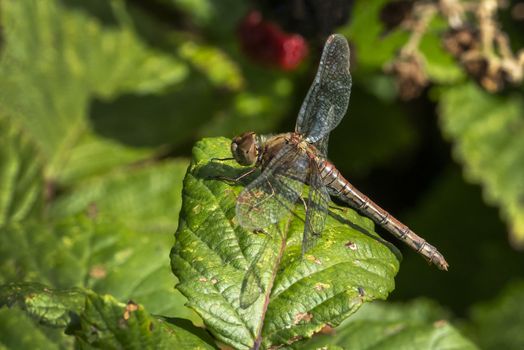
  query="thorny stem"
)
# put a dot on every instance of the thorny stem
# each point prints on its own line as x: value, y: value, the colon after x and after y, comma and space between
x: 258, y: 340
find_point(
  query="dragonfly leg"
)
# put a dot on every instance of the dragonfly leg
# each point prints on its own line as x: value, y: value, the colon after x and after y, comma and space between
x: 221, y: 159
x: 304, y: 203
x: 260, y: 231
x: 272, y: 190
x: 235, y: 180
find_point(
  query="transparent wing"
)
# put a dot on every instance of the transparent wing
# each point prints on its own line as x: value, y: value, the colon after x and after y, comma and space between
x: 275, y: 192
x: 322, y: 145
x: 251, y: 285
x: 328, y: 97
x: 317, y: 209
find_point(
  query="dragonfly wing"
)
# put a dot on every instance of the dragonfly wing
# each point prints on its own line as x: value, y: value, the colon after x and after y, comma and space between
x: 274, y: 193
x: 251, y: 285
x: 317, y: 209
x: 327, y: 100
x: 251, y: 288
x: 322, y: 145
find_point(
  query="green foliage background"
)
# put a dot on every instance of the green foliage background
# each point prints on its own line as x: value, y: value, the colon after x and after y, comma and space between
x: 101, y: 103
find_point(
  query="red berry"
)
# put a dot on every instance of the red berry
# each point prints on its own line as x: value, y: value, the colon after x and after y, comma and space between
x: 266, y: 43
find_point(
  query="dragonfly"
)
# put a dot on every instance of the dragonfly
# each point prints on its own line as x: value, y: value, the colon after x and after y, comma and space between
x: 291, y: 161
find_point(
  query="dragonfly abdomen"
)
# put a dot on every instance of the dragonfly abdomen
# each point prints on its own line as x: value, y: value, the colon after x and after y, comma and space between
x: 341, y: 188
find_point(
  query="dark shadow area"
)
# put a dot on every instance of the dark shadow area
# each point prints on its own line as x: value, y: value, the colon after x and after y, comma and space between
x: 2, y: 38
x: 172, y: 118
x: 187, y: 325
x: 472, y: 238
x: 395, y: 184
x: 100, y: 9
x: 221, y: 171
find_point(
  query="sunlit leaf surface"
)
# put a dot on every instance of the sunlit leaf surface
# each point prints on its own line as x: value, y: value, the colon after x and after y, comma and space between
x: 78, y: 58
x: 417, y: 325
x: 106, y: 323
x: 347, y: 267
x: 112, y: 235
x: 96, y: 321
x: 49, y: 307
x: 21, y: 178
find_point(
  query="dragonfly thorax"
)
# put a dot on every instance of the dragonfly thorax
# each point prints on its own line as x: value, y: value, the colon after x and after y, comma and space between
x: 244, y: 148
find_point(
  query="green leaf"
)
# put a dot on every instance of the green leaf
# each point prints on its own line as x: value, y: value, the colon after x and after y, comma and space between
x: 498, y: 324
x: 488, y: 136
x: 218, y: 18
x: 451, y: 200
x: 373, y: 49
x: 121, y: 247
x: 348, y: 266
x: 34, y: 251
x: 33, y: 316
x: 21, y: 184
x: 222, y: 109
x: 380, y: 326
x: 101, y: 255
x: 50, y: 307
x: 78, y: 58
x: 264, y: 103
x: 106, y: 323
x: 92, y: 156
x: 98, y: 321
x: 219, y: 69
x: 440, y: 65
x: 122, y: 195
x: 19, y: 331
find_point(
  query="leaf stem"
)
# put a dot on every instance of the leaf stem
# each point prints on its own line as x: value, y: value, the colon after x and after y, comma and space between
x: 258, y: 340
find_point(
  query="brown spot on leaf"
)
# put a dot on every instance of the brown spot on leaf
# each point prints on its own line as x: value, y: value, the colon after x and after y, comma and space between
x: 351, y: 245
x: 92, y: 210
x: 131, y: 307
x: 321, y: 286
x: 214, y: 281
x: 302, y: 316
x: 202, y: 279
x: 328, y: 329
x: 440, y: 323
x: 98, y: 272
x: 313, y: 259
x: 294, y: 339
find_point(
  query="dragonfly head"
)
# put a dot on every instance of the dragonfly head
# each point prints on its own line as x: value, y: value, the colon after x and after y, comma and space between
x: 244, y: 148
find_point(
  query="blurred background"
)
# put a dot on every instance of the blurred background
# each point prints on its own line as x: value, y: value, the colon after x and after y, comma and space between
x: 101, y: 102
